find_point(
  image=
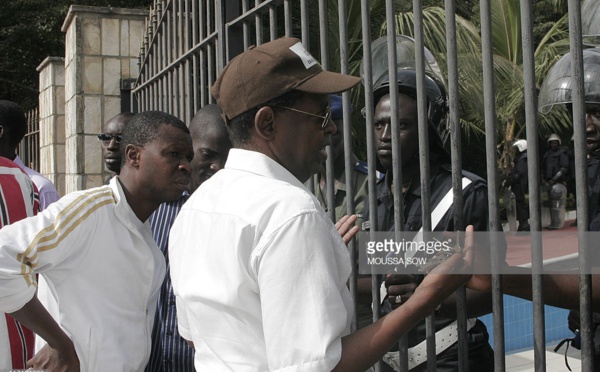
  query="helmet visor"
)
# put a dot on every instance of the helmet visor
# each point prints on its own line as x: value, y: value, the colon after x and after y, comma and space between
x: 405, y: 60
x: 557, y: 87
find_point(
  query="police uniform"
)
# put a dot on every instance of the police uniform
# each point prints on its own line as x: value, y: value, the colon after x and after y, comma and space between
x: 519, y: 185
x: 475, y: 211
x: 360, y: 173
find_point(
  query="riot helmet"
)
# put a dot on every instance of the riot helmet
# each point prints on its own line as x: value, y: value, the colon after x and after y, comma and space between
x: 554, y: 137
x: 590, y: 27
x: 557, y: 86
x: 520, y: 145
x: 436, y: 92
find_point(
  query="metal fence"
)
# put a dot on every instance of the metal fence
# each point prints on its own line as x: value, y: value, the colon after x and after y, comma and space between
x: 188, y: 42
x: 29, y: 148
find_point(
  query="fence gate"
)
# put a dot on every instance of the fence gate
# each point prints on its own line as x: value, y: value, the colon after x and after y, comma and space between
x: 187, y: 43
x: 29, y: 148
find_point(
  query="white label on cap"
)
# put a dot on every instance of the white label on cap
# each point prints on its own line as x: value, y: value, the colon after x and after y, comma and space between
x: 304, y: 55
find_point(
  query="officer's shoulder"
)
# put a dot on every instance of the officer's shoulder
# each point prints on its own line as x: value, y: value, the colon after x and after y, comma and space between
x: 363, y: 167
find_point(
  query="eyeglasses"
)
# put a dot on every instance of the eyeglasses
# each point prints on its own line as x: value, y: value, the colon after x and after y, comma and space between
x: 325, y: 118
x: 105, y: 138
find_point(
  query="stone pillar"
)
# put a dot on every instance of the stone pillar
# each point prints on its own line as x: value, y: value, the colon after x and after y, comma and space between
x: 101, y: 48
x: 52, y: 121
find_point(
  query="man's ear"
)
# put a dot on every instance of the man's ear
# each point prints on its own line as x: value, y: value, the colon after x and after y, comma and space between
x: 132, y: 155
x: 264, y: 123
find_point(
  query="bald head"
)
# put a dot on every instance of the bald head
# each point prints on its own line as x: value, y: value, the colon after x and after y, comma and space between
x: 211, y: 144
x: 207, y: 118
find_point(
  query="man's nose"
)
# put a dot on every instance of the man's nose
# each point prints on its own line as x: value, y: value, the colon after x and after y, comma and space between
x: 217, y: 166
x: 330, y: 127
x: 590, y: 126
x: 386, y: 133
x: 185, y: 166
x: 113, y: 144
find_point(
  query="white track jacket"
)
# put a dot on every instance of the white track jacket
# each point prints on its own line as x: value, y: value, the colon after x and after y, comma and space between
x: 102, y: 267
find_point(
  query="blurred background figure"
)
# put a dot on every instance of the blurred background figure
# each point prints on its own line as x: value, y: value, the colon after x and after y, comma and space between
x: 555, y: 167
x: 517, y: 181
x: 18, y: 200
x: 110, y: 140
x: 13, y: 126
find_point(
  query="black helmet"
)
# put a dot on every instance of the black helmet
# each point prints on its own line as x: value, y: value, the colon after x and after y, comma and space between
x: 437, y: 97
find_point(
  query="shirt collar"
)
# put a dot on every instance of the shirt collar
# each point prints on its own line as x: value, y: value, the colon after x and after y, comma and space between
x: 259, y: 163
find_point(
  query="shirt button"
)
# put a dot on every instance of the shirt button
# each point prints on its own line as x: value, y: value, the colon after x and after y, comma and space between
x: 169, y: 333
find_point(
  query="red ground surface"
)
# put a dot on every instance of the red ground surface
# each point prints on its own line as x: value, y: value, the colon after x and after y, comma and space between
x: 555, y: 243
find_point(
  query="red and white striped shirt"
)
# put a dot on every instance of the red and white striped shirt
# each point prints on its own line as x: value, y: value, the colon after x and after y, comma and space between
x: 18, y: 200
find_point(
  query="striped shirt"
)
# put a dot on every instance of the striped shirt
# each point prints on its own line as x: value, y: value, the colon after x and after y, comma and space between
x: 18, y: 200
x: 170, y: 352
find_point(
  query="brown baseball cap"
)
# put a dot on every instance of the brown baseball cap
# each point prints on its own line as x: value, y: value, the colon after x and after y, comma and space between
x: 270, y: 70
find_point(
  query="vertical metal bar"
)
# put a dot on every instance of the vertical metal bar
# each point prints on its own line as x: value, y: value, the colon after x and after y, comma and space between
x: 163, y: 58
x: 304, y: 24
x: 272, y: 22
x: 347, y: 124
x: 188, y: 78
x: 456, y: 160
x: 245, y: 8
x: 424, y: 159
x: 330, y: 180
x: 211, y: 73
x: 211, y: 52
x: 287, y: 16
x: 174, y: 44
x: 397, y: 175
x: 177, y: 65
x: 491, y: 162
x: 178, y: 23
x: 204, y: 92
x: 195, y: 79
x: 258, y: 24
x: 537, y: 256
x: 585, y: 283
x: 371, y: 156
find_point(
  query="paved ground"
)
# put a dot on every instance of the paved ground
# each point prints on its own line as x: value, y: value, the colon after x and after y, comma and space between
x: 560, y: 253
x: 524, y: 361
x: 559, y: 248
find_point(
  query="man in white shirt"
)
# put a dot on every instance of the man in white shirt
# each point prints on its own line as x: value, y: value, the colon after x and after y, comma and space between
x: 258, y: 269
x: 95, y: 250
x: 13, y: 126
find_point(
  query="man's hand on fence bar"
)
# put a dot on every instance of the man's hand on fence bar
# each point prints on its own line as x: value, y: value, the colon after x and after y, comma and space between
x: 345, y: 226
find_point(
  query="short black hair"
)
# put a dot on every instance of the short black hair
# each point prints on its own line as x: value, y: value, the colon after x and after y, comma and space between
x: 14, y: 122
x: 144, y: 128
x: 240, y: 127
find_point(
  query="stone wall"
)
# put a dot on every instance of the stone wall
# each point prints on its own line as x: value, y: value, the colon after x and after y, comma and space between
x: 101, y: 48
x: 52, y: 121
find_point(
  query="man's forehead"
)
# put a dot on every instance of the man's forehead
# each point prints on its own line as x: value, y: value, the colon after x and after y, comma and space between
x: 114, y: 126
x: 319, y: 99
x: 169, y: 135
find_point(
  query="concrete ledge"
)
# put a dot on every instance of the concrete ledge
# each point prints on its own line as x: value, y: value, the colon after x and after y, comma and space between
x: 98, y: 10
x: 48, y: 61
